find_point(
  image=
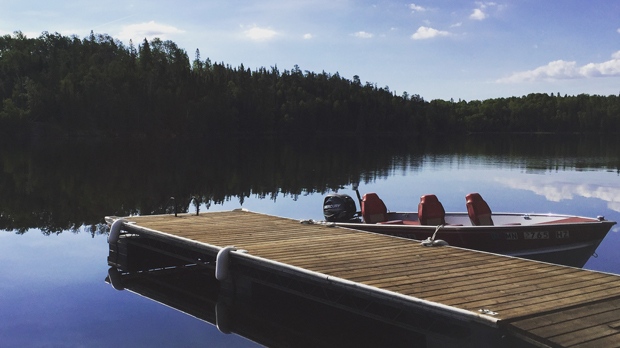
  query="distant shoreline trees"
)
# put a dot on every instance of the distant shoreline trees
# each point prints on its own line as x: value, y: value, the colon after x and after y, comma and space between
x: 98, y: 86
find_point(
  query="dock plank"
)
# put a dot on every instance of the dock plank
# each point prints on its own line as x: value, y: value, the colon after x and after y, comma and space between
x: 590, y: 325
x: 526, y: 286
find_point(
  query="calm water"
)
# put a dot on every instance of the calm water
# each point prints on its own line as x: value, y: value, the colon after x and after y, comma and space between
x: 54, y: 197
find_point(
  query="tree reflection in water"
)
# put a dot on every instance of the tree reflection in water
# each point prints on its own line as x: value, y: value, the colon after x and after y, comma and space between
x: 60, y: 186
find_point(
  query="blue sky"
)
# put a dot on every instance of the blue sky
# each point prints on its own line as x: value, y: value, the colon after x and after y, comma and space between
x: 438, y: 49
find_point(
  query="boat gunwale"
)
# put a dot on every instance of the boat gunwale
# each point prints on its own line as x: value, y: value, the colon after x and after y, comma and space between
x: 509, y: 226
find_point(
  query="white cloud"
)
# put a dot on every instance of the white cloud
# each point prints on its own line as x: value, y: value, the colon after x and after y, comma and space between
x: 478, y: 15
x: 608, y: 68
x: 308, y: 36
x: 416, y: 8
x: 260, y: 34
x: 424, y: 33
x: 148, y: 30
x: 363, y: 35
x: 560, y: 69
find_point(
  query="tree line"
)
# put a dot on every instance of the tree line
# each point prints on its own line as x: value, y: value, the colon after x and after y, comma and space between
x: 99, y: 86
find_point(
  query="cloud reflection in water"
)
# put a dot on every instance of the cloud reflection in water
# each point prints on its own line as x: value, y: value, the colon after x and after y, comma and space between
x: 567, y: 186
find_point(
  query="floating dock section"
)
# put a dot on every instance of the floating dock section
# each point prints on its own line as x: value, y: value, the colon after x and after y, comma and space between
x: 542, y: 304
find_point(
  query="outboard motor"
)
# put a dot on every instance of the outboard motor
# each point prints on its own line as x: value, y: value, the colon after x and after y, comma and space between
x: 339, y: 208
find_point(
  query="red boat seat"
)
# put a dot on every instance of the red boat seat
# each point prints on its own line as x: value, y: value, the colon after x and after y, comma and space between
x: 430, y: 211
x: 478, y: 210
x: 373, y: 209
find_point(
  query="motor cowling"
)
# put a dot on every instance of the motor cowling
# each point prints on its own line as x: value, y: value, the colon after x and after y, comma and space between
x: 339, y: 208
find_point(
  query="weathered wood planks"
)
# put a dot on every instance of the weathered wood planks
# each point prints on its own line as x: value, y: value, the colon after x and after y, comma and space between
x: 547, y: 303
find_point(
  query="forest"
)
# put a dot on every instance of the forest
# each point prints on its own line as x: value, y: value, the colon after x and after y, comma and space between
x: 98, y: 86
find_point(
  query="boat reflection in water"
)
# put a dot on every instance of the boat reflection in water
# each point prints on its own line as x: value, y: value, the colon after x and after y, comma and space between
x: 285, y: 314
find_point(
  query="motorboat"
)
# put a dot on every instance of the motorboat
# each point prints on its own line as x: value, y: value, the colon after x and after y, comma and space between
x: 560, y: 239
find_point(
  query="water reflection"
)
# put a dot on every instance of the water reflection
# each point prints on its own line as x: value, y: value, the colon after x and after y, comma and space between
x: 271, y: 318
x: 279, y: 316
x: 555, y: 190
x: 65, y: 186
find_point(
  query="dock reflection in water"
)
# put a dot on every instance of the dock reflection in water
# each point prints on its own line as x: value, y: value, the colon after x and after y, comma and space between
x: 275, y: 316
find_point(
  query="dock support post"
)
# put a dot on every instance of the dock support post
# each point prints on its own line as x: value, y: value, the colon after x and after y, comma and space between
x: 115, y: 231
x: 116, y: 280
x: 223, y: 315
x: 222, y: 261
x: 231, y: 286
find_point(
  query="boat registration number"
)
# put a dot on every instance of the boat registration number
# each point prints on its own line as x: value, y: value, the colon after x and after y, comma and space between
x: 536, y: 235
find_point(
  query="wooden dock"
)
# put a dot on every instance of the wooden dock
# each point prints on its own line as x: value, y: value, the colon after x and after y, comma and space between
x: 546, y: 305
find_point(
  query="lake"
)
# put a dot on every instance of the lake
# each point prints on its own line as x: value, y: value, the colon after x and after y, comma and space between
x: 54, y: 241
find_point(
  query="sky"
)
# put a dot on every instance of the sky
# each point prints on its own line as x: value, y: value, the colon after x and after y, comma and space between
x: 437, y: 49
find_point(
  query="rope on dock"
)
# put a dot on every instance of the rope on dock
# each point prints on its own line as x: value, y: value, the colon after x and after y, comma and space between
x: 431, y: 241
x: 313, y: 222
